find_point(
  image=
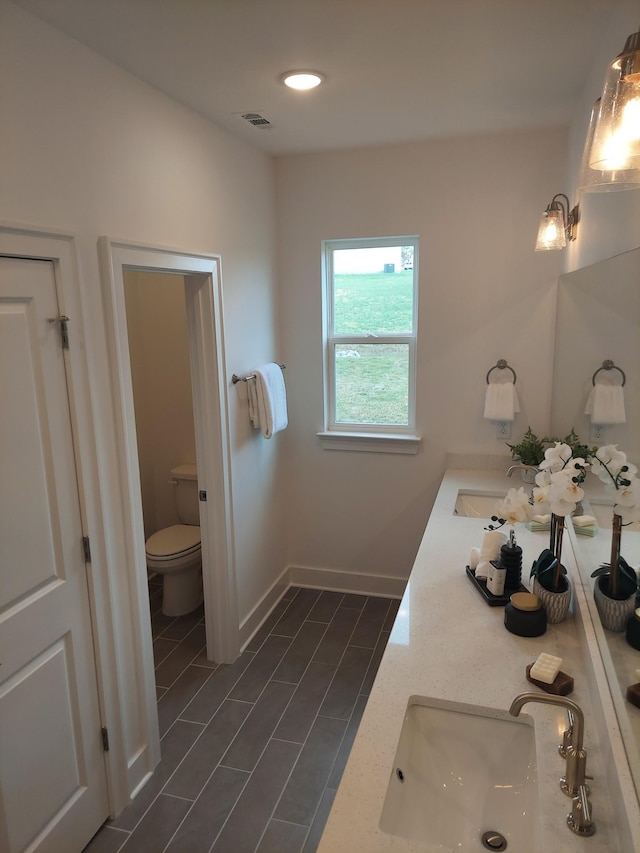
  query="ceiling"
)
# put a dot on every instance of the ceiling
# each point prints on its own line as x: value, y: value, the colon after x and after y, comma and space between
x: 396, y: 70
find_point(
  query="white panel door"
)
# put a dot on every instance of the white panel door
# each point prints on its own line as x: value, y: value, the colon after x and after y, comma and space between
x: 53, y: 794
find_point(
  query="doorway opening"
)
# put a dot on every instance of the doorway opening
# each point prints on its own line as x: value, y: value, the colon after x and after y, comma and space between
x: 158, y: 339
x: 202, y: 293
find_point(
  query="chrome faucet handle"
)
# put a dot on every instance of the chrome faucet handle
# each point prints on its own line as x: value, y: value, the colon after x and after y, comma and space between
x: 567, y: 735
x: 575, y: 772
x: 580, y: 821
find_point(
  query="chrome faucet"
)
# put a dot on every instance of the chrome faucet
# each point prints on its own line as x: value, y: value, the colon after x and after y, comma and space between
x: 513, y: 468
x: 575, y: 755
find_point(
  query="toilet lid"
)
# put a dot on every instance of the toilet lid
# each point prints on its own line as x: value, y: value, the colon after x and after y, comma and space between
x: 173, y: 540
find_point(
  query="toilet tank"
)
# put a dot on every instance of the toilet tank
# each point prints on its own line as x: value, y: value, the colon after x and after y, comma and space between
x: 186, y: 493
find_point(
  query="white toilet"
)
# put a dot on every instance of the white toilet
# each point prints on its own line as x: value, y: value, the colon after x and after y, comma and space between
x: 175, y: 552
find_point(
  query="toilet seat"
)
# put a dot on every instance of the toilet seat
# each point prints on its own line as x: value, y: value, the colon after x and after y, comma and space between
x: 178, y: 540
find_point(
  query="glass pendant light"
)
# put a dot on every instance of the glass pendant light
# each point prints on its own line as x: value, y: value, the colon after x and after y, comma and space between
x: 600, y: 180
x: 616, y: 140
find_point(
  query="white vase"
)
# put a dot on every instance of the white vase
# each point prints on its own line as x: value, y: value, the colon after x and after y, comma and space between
x: 555, y: 603
x: 614, y: 613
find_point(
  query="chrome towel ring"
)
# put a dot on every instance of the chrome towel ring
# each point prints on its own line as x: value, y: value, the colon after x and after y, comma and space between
x: 607, y: 364
x: 501, y: 364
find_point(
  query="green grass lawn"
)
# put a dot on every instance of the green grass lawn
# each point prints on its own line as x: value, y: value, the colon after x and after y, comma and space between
x: 373, y: 303
x: 372, y: 379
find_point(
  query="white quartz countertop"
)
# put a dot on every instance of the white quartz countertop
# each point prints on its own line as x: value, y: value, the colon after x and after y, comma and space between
x: 448, y: 643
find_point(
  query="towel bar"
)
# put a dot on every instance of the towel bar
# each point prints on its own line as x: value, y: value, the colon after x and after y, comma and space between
x: 235, y: 378
x: 501, y: 364
x: 607, y: 364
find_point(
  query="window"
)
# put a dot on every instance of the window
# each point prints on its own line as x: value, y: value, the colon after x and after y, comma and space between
x: 370, y: 335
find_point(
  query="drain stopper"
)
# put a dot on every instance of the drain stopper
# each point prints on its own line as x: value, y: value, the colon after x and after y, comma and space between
x: 494, y: 841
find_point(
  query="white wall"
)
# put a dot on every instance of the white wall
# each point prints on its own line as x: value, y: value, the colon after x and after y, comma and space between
x: 485, y: 294
x: 161, y: 378
x: 95, y: 151
x: 90, y: 150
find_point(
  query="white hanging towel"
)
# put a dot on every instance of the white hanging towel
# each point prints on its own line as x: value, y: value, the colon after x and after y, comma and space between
x: 501, y: 401
x: 605, y: 404
x: 272, y: 399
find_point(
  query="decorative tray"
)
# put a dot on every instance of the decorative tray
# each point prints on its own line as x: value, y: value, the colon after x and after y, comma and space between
x: 491, y: 599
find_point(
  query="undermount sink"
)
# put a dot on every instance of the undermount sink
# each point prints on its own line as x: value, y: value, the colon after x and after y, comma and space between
x: 477, y: 504
x: 462, y: 774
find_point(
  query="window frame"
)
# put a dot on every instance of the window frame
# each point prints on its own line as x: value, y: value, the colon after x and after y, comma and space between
x: 373, y: 432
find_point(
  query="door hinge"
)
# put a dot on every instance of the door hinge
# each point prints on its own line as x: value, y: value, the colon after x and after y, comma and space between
x: 202, y: 495
x: 105, y: 739
x: 64, y: 331
x: 86, y: 547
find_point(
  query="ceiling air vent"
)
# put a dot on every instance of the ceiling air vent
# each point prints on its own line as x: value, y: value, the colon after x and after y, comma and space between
x: 257, y: 120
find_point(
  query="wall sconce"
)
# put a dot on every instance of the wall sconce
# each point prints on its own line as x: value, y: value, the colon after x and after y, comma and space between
x: 557, y: 224
x: 616, y: 139
x: 593, y: 180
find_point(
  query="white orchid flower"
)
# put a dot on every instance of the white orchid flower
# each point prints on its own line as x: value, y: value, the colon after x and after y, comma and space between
x: 543, y: 478
x: 556, y: 457
x: 608, y: 462
x: 628, y: 514
x: 515, y: 506
x: 557, y: 492
x: 628, y: 495
x: 540, y: 496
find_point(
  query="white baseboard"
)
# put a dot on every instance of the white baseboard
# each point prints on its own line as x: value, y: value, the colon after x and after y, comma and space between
x: 330, y: 579
x: 253, y: 621
x: 339, y: 581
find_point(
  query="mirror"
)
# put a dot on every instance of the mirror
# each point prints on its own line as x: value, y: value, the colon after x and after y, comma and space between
x: 599, y: 318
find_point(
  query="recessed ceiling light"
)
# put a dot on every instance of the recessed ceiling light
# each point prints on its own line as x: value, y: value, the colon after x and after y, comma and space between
x: 302, y: 79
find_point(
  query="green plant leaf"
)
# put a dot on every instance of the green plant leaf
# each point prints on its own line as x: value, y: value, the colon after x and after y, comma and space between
x: 627, y: 578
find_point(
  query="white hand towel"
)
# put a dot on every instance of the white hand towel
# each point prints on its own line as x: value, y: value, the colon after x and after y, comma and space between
x: 272, y: 399
x: 492, y: 542
x: 501, y: 401
x: 252, y: 399
x: 605, y: 404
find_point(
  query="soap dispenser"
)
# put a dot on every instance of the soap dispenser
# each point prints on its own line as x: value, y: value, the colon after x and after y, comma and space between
x: 511, y: 560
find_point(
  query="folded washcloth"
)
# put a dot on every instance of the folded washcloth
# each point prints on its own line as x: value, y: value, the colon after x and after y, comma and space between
x: 537, y: 527
x: 474, y: 558
x: 583, y: 520
x: 272, y: 399
x: 501, y: 401
x: 539, y: 522
x: 605, y: 404
x: 584, y: 525
x: 589, y: 530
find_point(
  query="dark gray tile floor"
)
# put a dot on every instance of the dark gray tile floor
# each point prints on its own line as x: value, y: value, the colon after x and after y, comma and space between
x: 253, y: 752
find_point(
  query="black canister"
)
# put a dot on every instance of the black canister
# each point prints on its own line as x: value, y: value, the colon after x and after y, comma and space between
x: 633, y: 630
x: 524, y: 615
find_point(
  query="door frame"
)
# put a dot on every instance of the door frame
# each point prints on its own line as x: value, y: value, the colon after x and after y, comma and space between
x: 205, y: 323
x: 59, y: 248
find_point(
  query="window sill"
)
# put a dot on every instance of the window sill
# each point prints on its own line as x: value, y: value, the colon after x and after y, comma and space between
x: 369, y: 442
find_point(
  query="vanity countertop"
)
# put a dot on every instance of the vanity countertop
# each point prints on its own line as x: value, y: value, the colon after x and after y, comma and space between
x: 447, y: 643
